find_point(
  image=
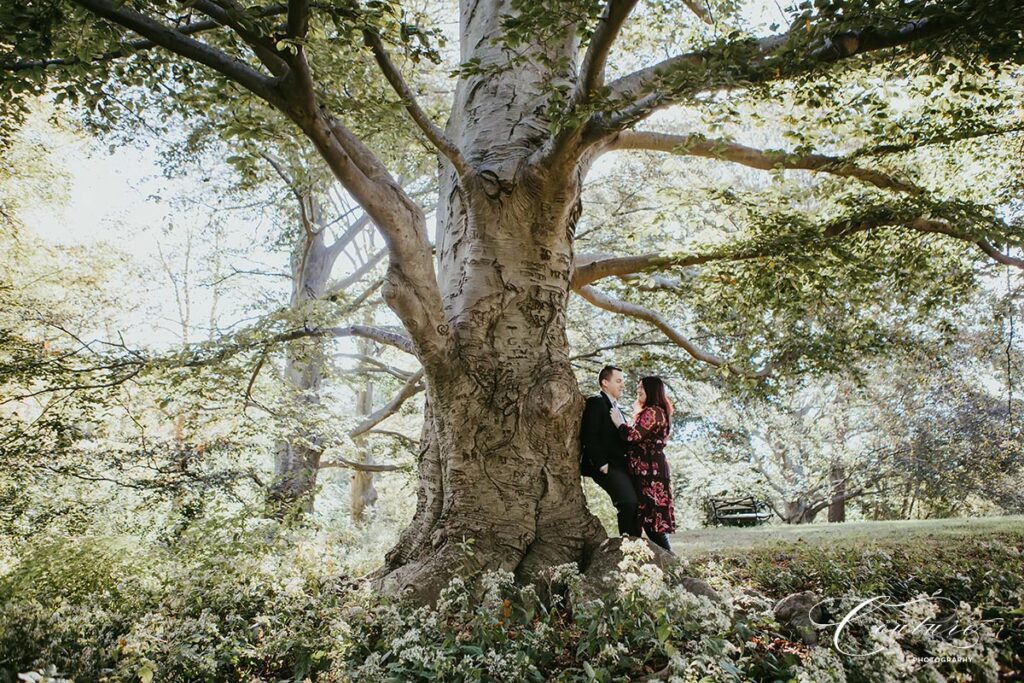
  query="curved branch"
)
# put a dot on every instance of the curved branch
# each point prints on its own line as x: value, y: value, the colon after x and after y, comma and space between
x: 440, y: 141
x: 411, y: 290
x: 181, y: 44
x: 411, y: 388
x: 650, y: 89
x: 922, y: 224
x: 654, y: 318
x: 767, y: 159
x: 590, y: 268
x: 406, y: 441
x: 137, y: 45
x: 230, y: 14
x: 593, y: 267
x: 702, y: 11
x: 593, y: 66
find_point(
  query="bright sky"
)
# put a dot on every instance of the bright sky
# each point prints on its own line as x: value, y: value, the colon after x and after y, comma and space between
x: 112, y: 202
x: 120, y: 198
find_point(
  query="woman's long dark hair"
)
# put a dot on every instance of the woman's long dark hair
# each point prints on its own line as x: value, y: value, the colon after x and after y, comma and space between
x: 654, y: 389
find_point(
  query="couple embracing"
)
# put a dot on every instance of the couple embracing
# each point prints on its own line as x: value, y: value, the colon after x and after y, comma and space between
x: 627, y: 459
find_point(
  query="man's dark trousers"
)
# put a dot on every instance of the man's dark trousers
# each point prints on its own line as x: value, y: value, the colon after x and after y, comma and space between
x: 619, y: 487
x: 603, y: 444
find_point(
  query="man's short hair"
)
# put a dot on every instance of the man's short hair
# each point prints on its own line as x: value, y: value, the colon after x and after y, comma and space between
x: 606, y: 373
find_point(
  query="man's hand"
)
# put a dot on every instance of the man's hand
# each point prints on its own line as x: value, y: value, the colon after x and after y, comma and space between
x: 616, y: 418
x: 604, y: 469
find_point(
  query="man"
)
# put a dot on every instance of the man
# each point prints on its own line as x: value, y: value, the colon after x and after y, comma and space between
x: 603, y: 456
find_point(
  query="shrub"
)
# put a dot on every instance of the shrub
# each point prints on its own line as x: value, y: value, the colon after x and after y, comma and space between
x: 252, y: 601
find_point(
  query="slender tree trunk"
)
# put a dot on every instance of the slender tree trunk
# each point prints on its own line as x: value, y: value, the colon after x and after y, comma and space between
x: 837, y: 506
x: 297, y: 458
x: 905, y: 509
x: 362, y: 492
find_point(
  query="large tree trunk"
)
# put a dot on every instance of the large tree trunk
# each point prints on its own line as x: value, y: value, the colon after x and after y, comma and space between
x: 297, y: 458
x: 499, y: 458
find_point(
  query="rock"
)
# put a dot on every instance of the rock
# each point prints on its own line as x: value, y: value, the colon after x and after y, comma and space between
x: 698, y: 587
x: 795, y: 614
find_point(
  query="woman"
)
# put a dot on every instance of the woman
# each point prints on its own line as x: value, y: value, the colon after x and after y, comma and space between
x: 646, y: 458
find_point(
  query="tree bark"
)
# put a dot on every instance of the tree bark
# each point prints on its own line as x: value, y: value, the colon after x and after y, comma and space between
x: 837, y: 505
x: 499, y: 471
x: 362, y: 493
x: 297, y: 458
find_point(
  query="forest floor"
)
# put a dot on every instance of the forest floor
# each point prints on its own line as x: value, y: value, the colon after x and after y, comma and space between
x: 729, y: 540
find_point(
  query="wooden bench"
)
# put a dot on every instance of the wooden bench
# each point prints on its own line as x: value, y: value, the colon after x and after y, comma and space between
x: 742, y: 511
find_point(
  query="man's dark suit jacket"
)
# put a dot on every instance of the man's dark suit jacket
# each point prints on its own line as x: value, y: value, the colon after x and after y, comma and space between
x: 600, y: 440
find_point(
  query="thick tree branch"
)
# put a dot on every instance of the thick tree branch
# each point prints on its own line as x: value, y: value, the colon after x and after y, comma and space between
x: 772, y: 57
x: 440, y: 141
x: 361, y: 466
x: 411, y: 388
x: 641, y: 313
x: 298, y: 18
x: 590, y: 268
x: 132, y: 46
x: 592, y: 68
x: 594, y: 267
x: 614, y: 15
x: 411, y: 289
x: 232, y: 15
x: 767, y: 160
x: 181, y: 44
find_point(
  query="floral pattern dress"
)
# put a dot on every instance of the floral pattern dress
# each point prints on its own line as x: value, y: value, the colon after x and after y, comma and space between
x: 649, y: 469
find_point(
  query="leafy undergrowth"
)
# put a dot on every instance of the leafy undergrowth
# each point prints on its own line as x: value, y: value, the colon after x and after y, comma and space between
x: 247, y: 603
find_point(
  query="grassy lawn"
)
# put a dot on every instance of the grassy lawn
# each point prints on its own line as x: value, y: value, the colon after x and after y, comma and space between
x: 726, y: 540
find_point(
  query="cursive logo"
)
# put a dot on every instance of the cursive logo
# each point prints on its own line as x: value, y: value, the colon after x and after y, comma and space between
x: 921, y: 616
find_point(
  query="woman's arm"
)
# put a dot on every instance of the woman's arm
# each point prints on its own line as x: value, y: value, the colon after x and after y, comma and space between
x: 647, y: 424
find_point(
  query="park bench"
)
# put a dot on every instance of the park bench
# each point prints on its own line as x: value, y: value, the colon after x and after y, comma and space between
x: 742, y: 511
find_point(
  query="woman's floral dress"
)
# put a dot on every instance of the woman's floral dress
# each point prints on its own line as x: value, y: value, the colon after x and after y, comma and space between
x: 649, y: 468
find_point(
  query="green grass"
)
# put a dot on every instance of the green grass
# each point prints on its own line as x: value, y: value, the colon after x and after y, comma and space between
x: 730, y: 540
